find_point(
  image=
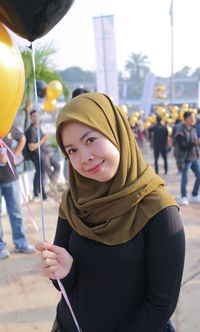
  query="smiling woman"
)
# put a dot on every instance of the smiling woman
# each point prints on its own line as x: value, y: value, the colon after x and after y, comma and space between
x: 119, y: 243
x: 91, y: 154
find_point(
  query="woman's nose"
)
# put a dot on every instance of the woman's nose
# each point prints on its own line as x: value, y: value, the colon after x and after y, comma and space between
x: 86, y: 156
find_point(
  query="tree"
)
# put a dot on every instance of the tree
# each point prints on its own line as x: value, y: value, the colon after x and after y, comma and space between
x: 44, y: 70
x: 184, y: 72
x: 196, y: 72
x: 137, y: 66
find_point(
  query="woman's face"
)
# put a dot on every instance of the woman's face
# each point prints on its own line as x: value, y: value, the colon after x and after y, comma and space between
x: 91, y: 154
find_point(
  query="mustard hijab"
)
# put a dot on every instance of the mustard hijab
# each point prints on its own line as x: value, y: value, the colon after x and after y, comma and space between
x: 112, y: 212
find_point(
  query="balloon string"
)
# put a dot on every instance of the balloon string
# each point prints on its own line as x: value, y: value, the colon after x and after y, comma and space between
x: 42, y: 211
x: 36, y: 104
x: 4, y: 146
x: 68, y: 302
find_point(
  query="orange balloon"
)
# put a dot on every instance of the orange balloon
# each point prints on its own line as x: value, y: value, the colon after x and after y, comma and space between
x: 54, y: 89
x: 12, y: 80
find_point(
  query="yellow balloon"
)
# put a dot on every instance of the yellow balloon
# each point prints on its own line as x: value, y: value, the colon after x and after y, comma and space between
x: 161, y: 111
x: 195, y: 111
x: 169, y: 129
x: 50, y: 105
x: 162, y: 87
x: 11, y: 81
x: 174, y: 109
x: 170, y: 121
x: 185, y: 107
x: 147, y: 125
x: 166, y: 117
x: 181, y: 115
x: 137, y: 114
x: 133, y: 120
x: 54, y: 89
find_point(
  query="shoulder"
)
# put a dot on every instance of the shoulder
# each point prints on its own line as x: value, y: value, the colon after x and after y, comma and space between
x: 165, y: 223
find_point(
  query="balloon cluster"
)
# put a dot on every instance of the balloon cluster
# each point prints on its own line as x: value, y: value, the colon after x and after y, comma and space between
x: 29, y: 19
x: 51, y: 92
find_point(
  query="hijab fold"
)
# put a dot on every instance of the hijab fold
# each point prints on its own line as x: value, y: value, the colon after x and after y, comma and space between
x: 112, y: 212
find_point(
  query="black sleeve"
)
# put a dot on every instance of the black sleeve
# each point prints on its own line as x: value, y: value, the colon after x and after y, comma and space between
x: 165, y: 252
x: 62, y: 238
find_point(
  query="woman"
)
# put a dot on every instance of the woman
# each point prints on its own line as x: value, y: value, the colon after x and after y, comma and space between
x: 119, y: 243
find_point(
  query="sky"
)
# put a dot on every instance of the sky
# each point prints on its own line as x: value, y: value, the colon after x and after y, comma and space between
x: 141, y: 26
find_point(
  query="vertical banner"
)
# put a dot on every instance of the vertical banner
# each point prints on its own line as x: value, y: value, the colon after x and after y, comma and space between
x: 148, y: 92
x: 106, y: 62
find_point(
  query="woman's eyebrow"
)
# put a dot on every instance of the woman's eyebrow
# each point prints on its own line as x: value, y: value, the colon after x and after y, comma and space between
x: 81, y: 139
x: 84, y: 135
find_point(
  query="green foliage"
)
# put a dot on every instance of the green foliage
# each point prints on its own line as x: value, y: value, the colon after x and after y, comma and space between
x: 44, y: 70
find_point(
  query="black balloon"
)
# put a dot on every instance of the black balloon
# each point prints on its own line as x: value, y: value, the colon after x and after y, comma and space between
x: 32, y: 19
x: 41, y: 88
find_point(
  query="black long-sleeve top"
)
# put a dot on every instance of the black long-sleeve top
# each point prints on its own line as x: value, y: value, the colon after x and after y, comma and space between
x: 131, y: 287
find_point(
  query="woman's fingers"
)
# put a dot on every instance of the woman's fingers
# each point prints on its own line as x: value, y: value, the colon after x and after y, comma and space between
x: 41, y: 246
x: 48, y: 262
x: 50, y: 272
x: 48, y: 254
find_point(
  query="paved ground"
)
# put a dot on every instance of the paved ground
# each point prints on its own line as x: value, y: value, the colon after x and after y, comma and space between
x: 28, y: 301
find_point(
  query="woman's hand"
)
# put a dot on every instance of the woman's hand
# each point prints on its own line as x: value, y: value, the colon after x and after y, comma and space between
x: 55, y: 260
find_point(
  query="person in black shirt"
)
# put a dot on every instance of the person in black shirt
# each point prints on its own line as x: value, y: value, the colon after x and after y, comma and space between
x: 10, y: 190
x: 119, y: 245
x: 160, y: 143
x: 32, y: 146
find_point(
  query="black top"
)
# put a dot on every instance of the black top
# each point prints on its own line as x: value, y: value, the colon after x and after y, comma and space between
x: 6, y: 174
x: 131, y: 287
x: 160, y: 136
x: 187, y: 143
x: 32, y: 137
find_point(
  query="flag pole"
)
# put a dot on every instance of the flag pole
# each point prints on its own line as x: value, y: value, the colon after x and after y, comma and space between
x: 172, y: 53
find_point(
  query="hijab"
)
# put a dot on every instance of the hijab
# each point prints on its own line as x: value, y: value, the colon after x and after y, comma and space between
x: 111, y: 212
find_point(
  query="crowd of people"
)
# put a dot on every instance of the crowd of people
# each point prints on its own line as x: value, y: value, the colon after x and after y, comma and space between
x: 183, y: 137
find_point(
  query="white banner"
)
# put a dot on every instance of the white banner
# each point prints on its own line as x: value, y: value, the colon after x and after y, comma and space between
x: 106, y: 62
x: 148, y: 91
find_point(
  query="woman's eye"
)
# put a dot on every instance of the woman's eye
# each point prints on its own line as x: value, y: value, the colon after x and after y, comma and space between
x: 90, y: 140
x: 71, y: 151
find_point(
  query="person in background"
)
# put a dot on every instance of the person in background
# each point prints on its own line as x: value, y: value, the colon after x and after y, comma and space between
x: 187, y: 153
x: 32, y: 146
x: 119, y: 245
x: 10, y: 190
x: 79, y: 91
x: 160, y: 143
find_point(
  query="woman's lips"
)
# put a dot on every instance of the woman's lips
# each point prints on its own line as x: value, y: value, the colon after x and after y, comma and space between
x: 96, y: 168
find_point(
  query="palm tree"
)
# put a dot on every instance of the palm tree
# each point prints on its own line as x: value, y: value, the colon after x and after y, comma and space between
x: 137, y: 66
x: 44, y: 70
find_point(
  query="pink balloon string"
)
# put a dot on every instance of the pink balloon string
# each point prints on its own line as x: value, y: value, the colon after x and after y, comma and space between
x: 6, y: 148
x: 68, y: 302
